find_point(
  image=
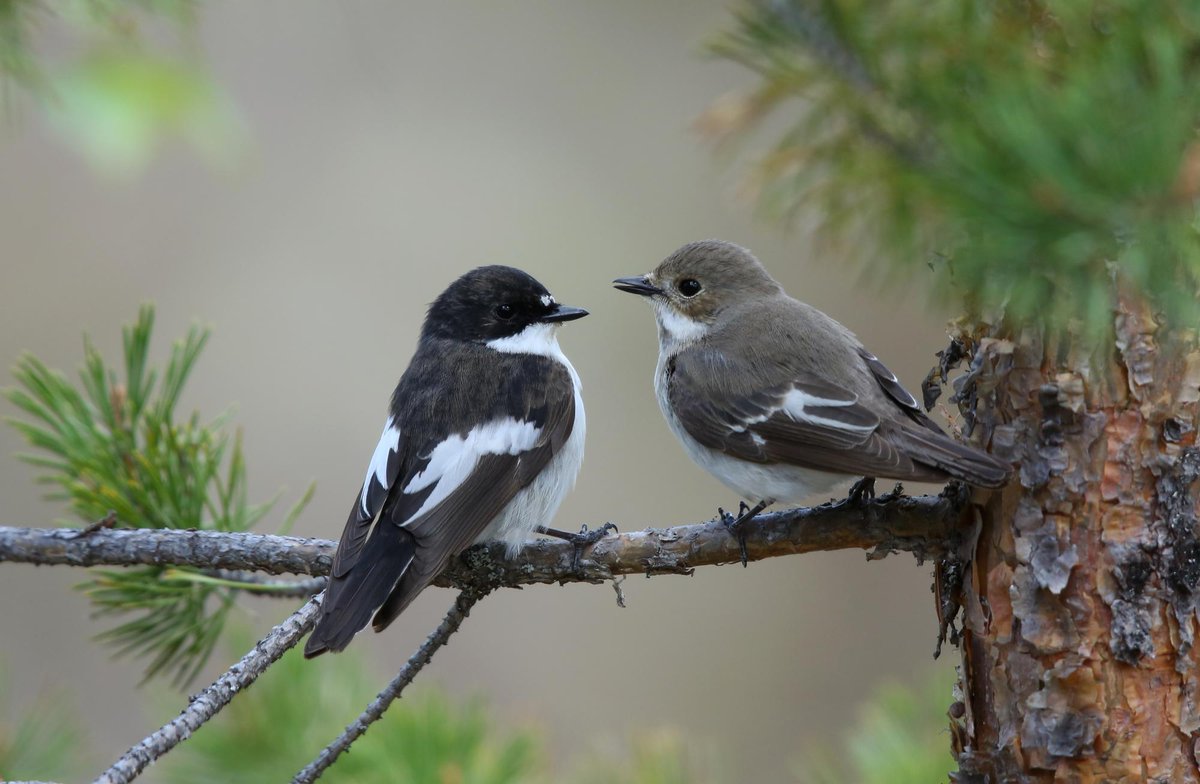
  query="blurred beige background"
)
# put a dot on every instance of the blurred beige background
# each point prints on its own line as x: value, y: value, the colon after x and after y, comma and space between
x: 395, y: 146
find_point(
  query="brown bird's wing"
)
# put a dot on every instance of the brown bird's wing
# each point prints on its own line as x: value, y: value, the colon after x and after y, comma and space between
x: 797, y: 418
x: 928, y: 443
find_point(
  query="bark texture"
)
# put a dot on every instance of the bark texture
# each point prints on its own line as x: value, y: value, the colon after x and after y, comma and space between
x: 1080, y: 597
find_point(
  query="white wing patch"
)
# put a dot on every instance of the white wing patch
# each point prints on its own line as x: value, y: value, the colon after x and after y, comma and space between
x: 796, y: 401
x: 453, y: 460
x: 389, y: 442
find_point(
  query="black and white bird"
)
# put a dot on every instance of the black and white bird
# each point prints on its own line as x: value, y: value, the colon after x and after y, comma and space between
x: 775, y: 398
x: 483, y: 440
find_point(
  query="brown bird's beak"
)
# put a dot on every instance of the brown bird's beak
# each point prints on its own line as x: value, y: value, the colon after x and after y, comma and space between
x: 637, y: 285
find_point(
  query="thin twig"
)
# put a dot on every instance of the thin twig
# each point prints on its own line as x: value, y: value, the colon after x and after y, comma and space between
x: 212, y: 699
x: 927, y: 526
x: 449, y: 625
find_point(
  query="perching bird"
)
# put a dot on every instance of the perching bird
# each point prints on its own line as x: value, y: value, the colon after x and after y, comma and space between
x: 483, y: 439
x: 776, y: 399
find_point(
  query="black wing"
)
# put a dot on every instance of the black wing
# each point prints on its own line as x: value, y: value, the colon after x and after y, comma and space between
x: 428, y: 500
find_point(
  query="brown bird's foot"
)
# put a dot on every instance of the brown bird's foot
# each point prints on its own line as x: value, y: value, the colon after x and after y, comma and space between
x: 581, y: 540
x: 862, y: 492
x: 737, y: 525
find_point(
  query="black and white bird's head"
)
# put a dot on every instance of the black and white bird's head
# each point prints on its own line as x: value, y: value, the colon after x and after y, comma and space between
x: 496, y: 303
x: 695, y: 285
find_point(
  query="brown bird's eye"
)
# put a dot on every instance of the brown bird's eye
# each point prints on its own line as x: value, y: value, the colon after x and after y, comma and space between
x: 689, y: 287
x: 504, y: 311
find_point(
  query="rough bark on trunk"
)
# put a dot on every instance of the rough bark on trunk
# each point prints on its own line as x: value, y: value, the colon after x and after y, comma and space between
x: 1079, y: 599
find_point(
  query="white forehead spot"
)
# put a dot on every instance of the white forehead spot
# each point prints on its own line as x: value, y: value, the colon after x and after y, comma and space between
x: 547, y: 300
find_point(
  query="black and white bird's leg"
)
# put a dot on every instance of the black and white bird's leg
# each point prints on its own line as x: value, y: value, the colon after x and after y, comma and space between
x: 862, y: 492
x: 584, y: 538
x: 737, y: 525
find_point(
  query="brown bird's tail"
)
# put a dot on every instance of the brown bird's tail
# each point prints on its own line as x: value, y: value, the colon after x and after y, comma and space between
x: 931, y: 447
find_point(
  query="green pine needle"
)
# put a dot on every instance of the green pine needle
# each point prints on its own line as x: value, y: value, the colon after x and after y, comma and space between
x: 1025, y: 151
x: 114, y: 444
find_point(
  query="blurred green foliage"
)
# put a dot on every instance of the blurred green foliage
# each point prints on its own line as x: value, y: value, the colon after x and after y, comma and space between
x: 899, y: 738
x: 114, y: 443
x: 44, y: 743
x: 298, y: 706
x: 1025, y: 150
x: 655, y: 756
x: 100, y: 73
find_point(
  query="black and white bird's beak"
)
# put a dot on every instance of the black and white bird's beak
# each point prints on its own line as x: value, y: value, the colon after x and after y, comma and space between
x: 637, y: 285
x: 563, y: 313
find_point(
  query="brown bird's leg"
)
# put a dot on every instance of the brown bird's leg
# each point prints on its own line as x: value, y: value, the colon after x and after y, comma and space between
x: 863, y: 491
x: 737, y: 526
x: 584, y: 538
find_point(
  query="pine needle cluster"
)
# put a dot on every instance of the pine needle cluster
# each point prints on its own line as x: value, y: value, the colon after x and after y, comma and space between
x: 1029, y: 151
x: 114, y: 447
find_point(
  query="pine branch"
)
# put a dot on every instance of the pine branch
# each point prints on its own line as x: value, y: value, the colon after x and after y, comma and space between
x: 260, y: 585
x: 926, y: 526
x: 212, y: 699
x: 449, y: 625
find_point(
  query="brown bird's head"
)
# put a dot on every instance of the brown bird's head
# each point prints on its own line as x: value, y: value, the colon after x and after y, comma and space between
x: 696, y: 284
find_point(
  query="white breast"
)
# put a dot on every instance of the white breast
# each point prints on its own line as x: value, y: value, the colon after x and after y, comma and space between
x: 536, y: 504
x: 754, y: 482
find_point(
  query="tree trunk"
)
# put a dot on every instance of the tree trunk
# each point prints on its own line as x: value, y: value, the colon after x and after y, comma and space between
x: 1079, y: 600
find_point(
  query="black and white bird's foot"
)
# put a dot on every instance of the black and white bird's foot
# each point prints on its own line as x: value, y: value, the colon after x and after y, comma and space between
x: 585, y: 538
x: 862, y: 492
x: 737, y: 525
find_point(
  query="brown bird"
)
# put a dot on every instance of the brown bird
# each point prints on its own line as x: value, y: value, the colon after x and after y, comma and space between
x: 775, y: 398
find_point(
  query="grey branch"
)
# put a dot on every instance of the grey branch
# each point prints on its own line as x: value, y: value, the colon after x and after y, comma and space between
x: 927, y: 526
x: 207, y: 703
x: 373, y: 712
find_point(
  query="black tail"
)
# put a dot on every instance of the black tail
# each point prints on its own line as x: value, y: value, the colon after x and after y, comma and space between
x: 933, y: 448
x: 362, y: 589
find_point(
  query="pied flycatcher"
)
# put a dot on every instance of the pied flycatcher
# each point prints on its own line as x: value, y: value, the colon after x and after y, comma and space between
x: 776, y: 399
x: 483, y: 439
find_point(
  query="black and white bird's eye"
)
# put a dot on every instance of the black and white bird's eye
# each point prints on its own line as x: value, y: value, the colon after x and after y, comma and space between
x: 505, y: 311
x: 689, y: 287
